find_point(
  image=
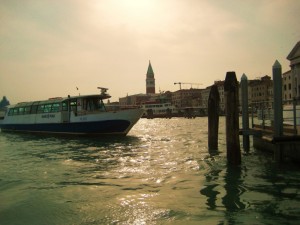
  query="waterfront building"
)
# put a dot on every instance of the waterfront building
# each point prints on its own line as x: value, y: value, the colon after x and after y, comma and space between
x: 294, y: 58
x: 139, y: 99
x: 131, y: 100
x: 261, y: 91
x: 187, y: 98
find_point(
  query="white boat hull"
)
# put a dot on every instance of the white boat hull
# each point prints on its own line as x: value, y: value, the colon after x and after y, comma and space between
x: 119, y: 122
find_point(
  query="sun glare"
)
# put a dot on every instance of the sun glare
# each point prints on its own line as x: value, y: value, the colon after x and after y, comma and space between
x: 136, y: 7
x: 135, y: 14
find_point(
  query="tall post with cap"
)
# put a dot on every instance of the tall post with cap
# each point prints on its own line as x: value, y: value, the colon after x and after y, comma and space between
x: 277, y: 91
x: 278, y: 109
x: 245, y: 113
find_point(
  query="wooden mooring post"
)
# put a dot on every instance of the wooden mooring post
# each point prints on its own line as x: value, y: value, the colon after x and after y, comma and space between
x: 278, y: 109
x: 213, y: 118
x: 231, y: 90
x: 245, y: 113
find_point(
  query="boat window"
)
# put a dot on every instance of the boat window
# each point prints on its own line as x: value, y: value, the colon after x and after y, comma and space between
x: 73, y: 102
x: 27, y: 110
x: 11, y: 112
x: 16, y: 111
x: 21, y: 110
x: 92, y: 104
x: 40, y: 109
x: 34, y: 109
x: 47, y: 108
x: 64, y: 106
x: 84, y: 104
x: 100, y: 105
x: 73, y: 105
x: 55, y: 107
x: 96, y: 104
x: 89, y: 105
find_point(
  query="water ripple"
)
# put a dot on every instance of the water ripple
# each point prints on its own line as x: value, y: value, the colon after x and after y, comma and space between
x: 161, y: 173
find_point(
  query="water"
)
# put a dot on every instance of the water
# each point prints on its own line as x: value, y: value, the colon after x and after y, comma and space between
x: 161, y: 173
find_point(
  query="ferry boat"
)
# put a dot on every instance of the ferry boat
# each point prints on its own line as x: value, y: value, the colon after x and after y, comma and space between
x: 155, y: 109
x: 80, y: 115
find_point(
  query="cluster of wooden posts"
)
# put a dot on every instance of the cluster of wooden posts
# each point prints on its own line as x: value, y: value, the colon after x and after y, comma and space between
x: 231, y: 89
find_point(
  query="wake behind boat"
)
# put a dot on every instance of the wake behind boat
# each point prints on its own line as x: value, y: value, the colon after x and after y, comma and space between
x: 81, y: 115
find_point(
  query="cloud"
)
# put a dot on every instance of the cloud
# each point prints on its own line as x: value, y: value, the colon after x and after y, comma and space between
x: 109, y: 42
x: 279, y: 12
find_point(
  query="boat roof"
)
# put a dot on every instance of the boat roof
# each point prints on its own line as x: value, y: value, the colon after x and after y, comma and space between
x: 59, y: 99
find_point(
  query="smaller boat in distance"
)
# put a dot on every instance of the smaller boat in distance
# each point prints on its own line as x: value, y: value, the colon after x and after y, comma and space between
x: 80, y: 115
x: 154, y: 109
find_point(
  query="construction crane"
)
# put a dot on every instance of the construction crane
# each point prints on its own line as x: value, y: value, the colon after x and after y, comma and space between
x: 180, y: 83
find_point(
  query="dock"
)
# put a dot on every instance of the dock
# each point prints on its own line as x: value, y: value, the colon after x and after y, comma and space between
x: 265, y: 140
x: 274, y: 130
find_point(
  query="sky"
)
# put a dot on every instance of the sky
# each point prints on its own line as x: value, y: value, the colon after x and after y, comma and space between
x: 50, y: 47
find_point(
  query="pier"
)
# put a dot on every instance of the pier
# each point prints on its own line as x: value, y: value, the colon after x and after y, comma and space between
x: 274, y: 128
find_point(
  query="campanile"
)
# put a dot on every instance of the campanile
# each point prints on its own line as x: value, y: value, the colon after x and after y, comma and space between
x: 150, y: 81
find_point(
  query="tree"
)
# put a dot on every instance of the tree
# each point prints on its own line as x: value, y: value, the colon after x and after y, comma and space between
x: 4, y: 102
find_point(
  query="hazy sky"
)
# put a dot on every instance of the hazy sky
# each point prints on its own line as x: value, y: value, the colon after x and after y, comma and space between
x: 50, y: 47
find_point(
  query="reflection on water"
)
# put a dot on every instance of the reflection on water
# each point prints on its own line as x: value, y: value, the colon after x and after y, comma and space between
x: 161, y: 173
x: 234, y: 189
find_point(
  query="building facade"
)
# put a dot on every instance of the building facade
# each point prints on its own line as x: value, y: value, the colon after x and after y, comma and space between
x: 294, y: 58
x: 260, y: 91
x: 133, y: 100
x: 187, y: 98
x: 287, y: 91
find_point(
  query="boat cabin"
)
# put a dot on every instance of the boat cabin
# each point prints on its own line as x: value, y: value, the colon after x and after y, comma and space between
x: 61, y: 108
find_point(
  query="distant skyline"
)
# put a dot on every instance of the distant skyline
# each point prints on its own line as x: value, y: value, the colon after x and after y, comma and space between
x: 49, y: 47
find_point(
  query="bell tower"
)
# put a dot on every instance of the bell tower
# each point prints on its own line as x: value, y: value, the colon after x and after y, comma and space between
x: 150, y: 81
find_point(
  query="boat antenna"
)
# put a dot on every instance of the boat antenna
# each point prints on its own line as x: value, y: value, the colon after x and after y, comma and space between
x: 103, y: 90
x: 78, y: 90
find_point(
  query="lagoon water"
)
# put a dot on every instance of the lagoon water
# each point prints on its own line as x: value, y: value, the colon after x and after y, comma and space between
x: 161, y: 173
